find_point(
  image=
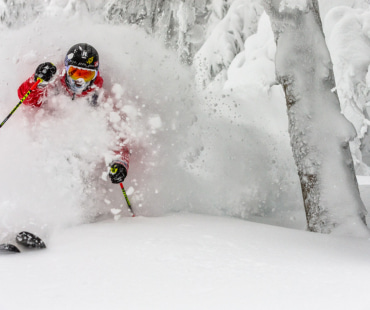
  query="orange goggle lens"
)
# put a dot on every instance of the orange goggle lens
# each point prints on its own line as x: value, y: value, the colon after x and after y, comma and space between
x: 78, y: 73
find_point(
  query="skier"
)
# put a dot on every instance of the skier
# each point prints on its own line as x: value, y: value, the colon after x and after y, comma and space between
x: 80, y: 79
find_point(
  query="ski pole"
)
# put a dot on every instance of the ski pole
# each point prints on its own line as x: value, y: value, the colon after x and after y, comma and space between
x: 128, y: 201
x: 20, y: 102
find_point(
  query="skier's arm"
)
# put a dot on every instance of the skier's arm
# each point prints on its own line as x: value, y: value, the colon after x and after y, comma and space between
x: 44, y: 71
x: 35, y: 97
x: 125, y: 156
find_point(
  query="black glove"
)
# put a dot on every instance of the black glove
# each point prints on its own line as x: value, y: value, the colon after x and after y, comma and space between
x: 45, y: 71
x: 117, y: 172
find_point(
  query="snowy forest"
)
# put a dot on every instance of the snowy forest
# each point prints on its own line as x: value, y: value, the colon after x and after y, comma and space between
x: 248, y: 127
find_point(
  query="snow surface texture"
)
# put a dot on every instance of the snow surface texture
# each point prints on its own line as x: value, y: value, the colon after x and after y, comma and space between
x: 188, y: 262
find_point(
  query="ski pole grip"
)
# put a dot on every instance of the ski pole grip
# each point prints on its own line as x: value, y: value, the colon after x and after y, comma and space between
x: 36, y: 83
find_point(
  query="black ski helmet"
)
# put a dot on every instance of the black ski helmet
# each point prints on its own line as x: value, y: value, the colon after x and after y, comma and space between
x: 82, y: 55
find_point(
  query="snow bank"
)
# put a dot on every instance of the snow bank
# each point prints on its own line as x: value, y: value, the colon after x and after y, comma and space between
x: 188, y: 262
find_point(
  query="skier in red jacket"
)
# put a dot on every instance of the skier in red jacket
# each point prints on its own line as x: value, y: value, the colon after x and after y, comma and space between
x: 81, y: 79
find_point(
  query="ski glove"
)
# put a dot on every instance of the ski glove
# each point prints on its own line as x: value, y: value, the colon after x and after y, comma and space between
x: 45, y: 71
x: 117, y: 172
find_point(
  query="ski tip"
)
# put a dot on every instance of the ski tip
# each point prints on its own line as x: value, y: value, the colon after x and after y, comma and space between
x: 8, y: 248
x: 30, y: 240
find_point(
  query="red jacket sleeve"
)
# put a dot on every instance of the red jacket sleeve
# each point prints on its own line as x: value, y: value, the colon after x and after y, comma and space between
x: 35, y: 98
x: 124, y: 154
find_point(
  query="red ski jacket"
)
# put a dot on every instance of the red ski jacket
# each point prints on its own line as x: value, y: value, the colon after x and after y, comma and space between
x: 39, y: 95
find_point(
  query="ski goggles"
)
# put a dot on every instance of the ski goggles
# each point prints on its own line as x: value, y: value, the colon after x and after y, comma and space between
x: 78, y: 73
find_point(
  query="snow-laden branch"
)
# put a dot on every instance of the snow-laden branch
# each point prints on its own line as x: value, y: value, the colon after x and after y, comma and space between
x: 226, y: 41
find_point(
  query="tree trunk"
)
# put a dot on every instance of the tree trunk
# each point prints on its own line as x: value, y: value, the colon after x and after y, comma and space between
x: 319, y: 133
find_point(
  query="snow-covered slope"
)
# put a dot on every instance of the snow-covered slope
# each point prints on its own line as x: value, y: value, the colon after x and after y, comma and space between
x: 184, y: 261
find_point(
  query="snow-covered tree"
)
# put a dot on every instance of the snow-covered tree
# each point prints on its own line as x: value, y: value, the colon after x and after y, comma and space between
x: 17, y: 12
x: 181, y: 24
x: 319, y: 133
x: 347, y: 33
x: 226, y: 40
